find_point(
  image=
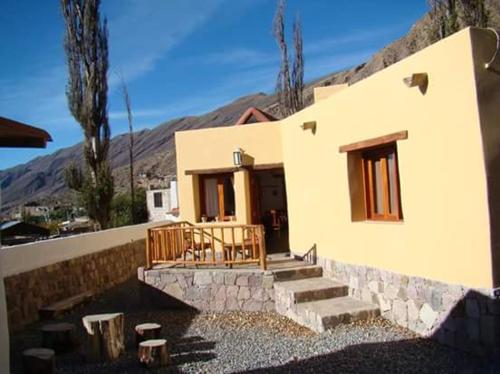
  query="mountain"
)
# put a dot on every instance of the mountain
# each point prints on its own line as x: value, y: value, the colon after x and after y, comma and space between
x: 43, y: 177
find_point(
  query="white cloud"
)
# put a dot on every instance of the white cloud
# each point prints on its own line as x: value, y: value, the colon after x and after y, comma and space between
x: 240, y: 56
x: 352, y: 40
x: 141, y: 35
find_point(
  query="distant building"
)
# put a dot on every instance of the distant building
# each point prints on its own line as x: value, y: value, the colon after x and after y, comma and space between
x: 74, y: 226
x: 18, y: 232
x: 162, y: 203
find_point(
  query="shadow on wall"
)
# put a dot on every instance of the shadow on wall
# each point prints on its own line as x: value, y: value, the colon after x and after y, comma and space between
x: 473, y: 325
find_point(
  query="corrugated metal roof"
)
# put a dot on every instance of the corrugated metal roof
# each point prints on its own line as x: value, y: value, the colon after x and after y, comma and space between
x: 6, y: 225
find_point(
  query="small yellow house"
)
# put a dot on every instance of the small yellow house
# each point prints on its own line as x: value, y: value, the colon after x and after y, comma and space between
x: 395, y: 181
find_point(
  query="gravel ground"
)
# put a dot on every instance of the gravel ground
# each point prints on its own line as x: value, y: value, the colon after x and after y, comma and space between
x: 257, y: 343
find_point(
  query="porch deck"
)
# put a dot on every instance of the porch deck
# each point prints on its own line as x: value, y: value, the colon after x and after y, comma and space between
x: 275, y: 262
x: 215, y: 246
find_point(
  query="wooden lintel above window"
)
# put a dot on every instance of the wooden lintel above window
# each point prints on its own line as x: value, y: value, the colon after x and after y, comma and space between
x: 234, y: 169
x: 381, y: 140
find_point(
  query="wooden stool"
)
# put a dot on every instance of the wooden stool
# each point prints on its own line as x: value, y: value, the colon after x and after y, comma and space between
x: 105, y: 339
x: 154, y: 353
x: 147, y: 331
x: 38, y: 361
x: 59, y: 336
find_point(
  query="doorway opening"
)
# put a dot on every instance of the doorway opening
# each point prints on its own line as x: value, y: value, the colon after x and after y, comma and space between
x: 269, y: 207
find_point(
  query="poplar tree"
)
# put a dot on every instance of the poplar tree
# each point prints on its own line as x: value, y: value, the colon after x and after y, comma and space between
x: 289, y: 86
x: 86, y: 49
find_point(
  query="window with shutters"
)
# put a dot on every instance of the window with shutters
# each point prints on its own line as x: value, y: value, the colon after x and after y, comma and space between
x: 381, y: 183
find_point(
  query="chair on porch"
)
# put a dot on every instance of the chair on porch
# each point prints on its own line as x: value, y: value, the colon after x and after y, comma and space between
x: 248, y: 248
x: 193, y: 247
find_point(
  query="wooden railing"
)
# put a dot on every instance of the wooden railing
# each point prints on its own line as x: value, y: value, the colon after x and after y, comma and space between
x: 184, y: 243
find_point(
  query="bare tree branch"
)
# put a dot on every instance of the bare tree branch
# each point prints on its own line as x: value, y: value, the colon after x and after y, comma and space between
x: 298, y: 66
x: 126, y: 99
x: 289, y: 87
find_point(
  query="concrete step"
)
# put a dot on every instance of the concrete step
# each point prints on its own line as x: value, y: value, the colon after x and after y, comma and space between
x: 322, y: 315
x: 302, y: 272
x: 310, y: 289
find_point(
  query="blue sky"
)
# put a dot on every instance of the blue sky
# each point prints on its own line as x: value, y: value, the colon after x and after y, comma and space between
x: 179, y: 57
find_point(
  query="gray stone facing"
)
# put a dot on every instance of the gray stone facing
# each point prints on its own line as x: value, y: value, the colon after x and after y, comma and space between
x: 216, y: 290
x: 458, y: 316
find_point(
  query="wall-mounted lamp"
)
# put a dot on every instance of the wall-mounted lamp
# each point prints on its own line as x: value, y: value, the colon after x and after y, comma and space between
x: 309, y: 126
x: 420, y: 80
x: 238, y: 157
x: 490, y: 65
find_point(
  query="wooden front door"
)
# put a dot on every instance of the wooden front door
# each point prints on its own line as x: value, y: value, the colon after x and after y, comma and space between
x: 255, y: 199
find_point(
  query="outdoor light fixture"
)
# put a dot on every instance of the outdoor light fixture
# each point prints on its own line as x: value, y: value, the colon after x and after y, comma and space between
x: 417, y: 80
x: 490, y: 64
x: 309, y: 126
x: 238, y: 157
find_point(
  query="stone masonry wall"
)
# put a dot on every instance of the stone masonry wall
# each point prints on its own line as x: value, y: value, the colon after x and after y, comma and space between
x: 27, y: 292
x: 455, y: 315
x: 216, y: 290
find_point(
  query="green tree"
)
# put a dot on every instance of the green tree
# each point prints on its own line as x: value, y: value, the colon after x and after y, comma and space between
x: 86, y: 48
x: 121, y: 208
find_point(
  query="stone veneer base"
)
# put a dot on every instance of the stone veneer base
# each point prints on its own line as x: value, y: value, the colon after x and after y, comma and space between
x: 27, y: 292
x: 216, y: 290
x: 457, y: 316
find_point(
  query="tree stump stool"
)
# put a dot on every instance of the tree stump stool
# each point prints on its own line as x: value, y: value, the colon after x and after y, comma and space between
x: 38, y: 361
x: 147, y: 331
x: 105, y: 337
x: 59, y: 336
x: 154, y: 353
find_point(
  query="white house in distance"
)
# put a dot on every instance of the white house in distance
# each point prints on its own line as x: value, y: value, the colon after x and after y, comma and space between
x: 162, y: 203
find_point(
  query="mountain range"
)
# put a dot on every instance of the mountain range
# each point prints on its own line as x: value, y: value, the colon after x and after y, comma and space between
x: 42, y: 178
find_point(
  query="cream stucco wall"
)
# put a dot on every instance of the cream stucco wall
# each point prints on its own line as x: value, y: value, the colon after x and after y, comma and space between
x: 4, y: 331
x: 453, y: 144
x: 213, y: 149
x: 321, y: 93
x: 25, y: 257
x: 488, y: 92
x: 445, y: 233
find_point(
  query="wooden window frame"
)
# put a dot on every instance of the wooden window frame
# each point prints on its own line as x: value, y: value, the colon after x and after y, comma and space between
x: 367, y: 159
x: 220, y: 191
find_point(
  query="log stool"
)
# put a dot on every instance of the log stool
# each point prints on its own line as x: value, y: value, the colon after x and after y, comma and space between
x: 38, y: 361
x: 105, y: 339
x: 154, y: 353
x: 147, y: 331
x: 59, y: 336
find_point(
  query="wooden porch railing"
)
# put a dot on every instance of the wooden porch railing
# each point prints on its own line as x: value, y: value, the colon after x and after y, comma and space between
x: 188, y: 244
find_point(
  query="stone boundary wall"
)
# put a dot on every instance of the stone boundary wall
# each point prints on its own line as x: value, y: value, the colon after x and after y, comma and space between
x: 216, y: 290
x: 457, y: 316
x: 26, y: 292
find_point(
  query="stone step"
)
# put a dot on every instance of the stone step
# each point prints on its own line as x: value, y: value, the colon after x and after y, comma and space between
x: 310, y: 289
x: 322, y: 315
x: 302, y: 272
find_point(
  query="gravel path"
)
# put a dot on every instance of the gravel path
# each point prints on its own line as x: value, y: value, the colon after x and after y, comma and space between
x: 257, y: 343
